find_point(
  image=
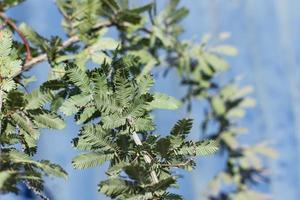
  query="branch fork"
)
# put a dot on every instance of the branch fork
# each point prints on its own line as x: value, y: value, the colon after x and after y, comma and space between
x: 147, y: 158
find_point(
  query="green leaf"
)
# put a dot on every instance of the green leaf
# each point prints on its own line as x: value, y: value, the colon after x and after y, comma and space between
x: 162, y: 184
x: 145, y: 83
x: 199, y: 148
x: 49, y: 120
x: 7, y: 85
x: 34, y: 37
x: 230, y: 140
x: 88, y: 160
x: 163, y: 101
x: 163, y: 146
x: 79, y: 78
x: 218, y: 105
x: 4, y: 176
x: 9, y: 64
x: 143, y: 8
x: 94, y: 137
x: 104, y: 43
x: 236, y: 113
x: 74, y: 104
x: 217, y: 63
x: 113, y: 121
x: 6, y: 43
x: 85, y: 114
x: 20, y: 157
x: 247, y: 103
x: 147, y: 196
x: 206, y: 147
x: 225, y: 50
x: 143, y: 124
x: 114, y: 187
x: 25, y: 124
x: 171, y: 196
x: 182, y: 127
x: 117, y: 168
x: 5, y: 4
x: 38, y: 98
x: 52, y: 169
x: 178, y: 15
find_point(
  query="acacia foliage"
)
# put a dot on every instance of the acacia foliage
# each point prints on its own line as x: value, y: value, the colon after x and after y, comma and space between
x: 105, y: 83
x: 114, y: 108
x: 22, y: 117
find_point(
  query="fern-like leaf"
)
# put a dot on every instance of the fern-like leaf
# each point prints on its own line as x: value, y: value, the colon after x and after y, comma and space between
x: 90, y: 160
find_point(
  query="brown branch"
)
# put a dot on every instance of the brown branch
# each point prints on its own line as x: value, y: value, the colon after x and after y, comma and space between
x: 23, y: 38
x: 31, y: 61
x: 72, y: 40
x: 43, y: 57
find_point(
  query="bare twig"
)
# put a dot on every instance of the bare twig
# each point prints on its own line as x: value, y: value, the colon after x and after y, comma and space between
x: 23, y: 38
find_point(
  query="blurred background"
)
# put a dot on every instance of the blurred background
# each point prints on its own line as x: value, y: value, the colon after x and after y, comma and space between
x: 266, y: 33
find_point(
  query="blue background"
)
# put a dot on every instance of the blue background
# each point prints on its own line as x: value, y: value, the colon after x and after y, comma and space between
x: 267, y: 34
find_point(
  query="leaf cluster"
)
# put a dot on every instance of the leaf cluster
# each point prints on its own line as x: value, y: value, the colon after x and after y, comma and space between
x: 114, y: 107
x: 22, y: 116
x: 105, y: 84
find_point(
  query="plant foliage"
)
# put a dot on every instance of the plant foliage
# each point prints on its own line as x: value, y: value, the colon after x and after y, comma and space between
x: 22, y: 117
x: 105, y: 83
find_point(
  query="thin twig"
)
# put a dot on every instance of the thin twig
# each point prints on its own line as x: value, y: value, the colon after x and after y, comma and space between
x: 23, y: 38
x: 72, y: 40
x: 43, y: 57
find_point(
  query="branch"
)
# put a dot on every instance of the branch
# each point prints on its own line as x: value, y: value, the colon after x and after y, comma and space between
x: 147, y: 158
x: 65, y: 44
x: 43, y: 57
x: 23, y: 38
